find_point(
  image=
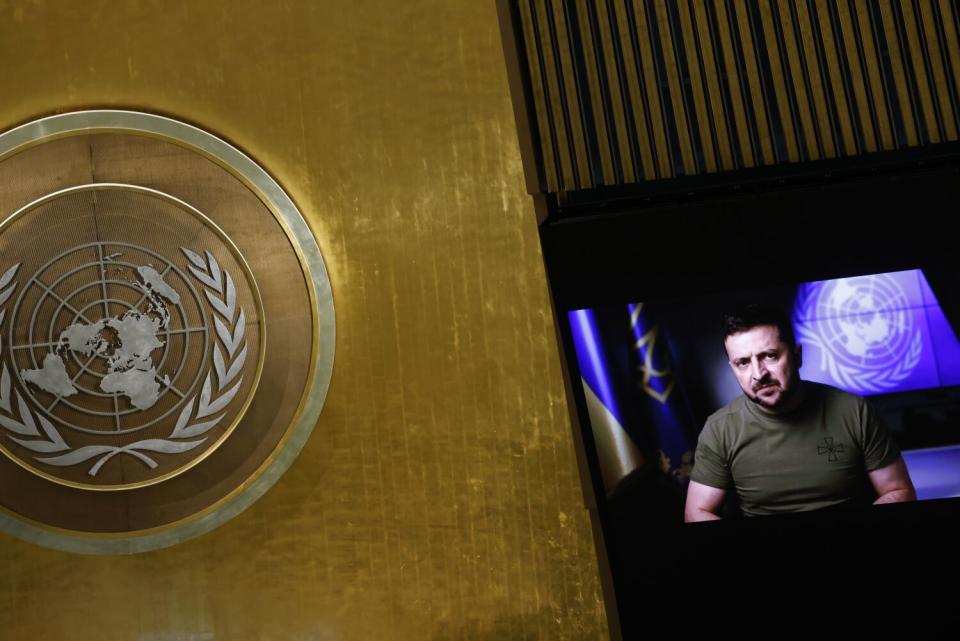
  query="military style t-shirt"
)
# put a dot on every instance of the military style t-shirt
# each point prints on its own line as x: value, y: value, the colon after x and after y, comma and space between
x: 813, y: 457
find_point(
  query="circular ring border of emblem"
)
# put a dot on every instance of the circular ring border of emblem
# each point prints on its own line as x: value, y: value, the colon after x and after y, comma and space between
x: 304, y: 244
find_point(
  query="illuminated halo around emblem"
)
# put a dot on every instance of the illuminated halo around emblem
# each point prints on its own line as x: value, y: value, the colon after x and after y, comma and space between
x: 303, y: 242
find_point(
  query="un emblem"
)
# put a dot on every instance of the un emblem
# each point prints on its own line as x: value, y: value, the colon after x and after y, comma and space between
x: 121, y: 351
x: 166, y: 331
x: 862, y: 329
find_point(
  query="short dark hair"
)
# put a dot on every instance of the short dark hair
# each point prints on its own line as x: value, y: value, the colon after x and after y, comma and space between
x: 751, y: 315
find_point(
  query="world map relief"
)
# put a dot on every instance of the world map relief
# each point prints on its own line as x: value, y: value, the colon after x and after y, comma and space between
x: 126, y: 341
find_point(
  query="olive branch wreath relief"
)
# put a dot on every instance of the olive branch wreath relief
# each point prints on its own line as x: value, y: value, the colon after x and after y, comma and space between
x: 35, y: 432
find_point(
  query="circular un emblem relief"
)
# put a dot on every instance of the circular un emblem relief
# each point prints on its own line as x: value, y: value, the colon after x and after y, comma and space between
x: 166, y: 331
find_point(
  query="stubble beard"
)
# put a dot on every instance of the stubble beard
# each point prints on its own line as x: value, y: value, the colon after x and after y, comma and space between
x: 787, y: 394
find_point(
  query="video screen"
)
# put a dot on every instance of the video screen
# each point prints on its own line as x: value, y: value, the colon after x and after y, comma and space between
x: 879, y: 360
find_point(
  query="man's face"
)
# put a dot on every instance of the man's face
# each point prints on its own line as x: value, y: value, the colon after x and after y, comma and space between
x: 767, y: 370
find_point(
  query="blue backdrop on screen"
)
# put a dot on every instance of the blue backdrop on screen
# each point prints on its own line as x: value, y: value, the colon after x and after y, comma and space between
x: 875, y: 334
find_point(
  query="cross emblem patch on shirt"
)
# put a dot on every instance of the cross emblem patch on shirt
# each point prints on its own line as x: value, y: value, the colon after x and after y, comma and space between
x: 831, y: 449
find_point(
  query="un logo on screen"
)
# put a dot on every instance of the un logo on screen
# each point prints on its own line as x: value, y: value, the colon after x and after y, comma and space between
x: 863, y: 330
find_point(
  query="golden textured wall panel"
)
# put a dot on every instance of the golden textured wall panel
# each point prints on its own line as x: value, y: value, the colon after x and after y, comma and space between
x: 438, y: 497
x: 722, y: 85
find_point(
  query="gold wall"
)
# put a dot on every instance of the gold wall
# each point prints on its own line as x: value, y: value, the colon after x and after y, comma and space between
x: 438, y: 497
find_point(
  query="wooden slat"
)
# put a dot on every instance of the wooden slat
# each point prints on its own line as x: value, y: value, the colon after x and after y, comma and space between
x: 674, y: 81
x: 544, y: 119
x: 603, y: 150
x: 901, y: 87
x: 610, y: 37
x: 781, y: 93
x: 931, y: 37
x: 915, y: 55
x: 836, y: 88
x: 636, y: 91
x: 738, y: 85
x: 574, y: 99
x: 812, y: 137
x: 859, y: 79
x: 882, y: 96
x: 713, y: 90
x: 948, y: 20
x: 657, y: 110
x: 705, y: 116
x: 758, y: 102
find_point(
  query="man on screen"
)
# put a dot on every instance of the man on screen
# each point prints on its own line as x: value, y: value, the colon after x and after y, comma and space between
x: 788, y: 445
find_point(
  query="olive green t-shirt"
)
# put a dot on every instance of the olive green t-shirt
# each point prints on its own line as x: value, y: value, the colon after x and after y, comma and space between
x: 813, y: 457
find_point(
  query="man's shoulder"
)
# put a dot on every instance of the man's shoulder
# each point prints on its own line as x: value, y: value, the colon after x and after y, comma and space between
x: 834, y: 396
x: 728, y: 416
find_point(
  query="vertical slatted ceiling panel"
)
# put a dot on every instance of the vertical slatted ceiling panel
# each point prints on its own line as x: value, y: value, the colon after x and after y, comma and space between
x: 860, y: 81
x: 648, y: 87
x: 629, y: 91
x: 932, y: 40
x: 590, y: 51
x: 737, y: 104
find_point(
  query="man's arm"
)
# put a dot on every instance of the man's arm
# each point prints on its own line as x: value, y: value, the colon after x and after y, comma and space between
x: 703, y: 502
x: 892, y: 483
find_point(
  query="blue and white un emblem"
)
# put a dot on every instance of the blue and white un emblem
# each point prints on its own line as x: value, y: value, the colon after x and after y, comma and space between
x: 863, y: 330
